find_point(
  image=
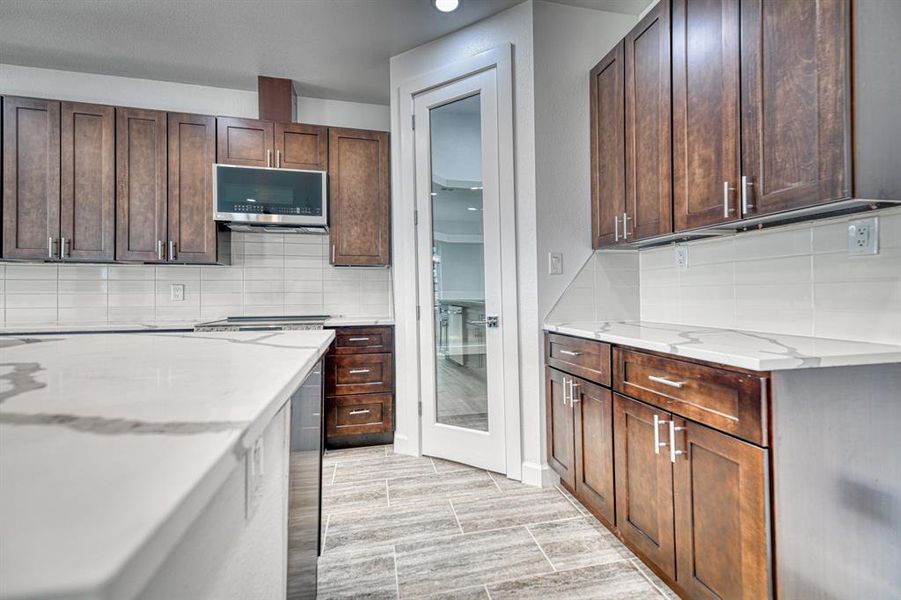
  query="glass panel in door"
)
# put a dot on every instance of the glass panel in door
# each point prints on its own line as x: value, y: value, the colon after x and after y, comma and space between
x: 458, y: 264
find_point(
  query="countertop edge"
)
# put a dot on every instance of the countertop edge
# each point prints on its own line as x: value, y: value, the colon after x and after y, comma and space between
x: 785, y: 363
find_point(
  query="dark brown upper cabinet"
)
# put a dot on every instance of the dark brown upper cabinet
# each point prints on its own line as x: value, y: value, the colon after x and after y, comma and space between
x: 706, y: 120
x: 608, y: 148
x: 648, y: 104
x: 245, y: 142
x: 141, y: 190
x: 796, y: 106
x: 192, y: 153
x: 87, y: 182
x: 31, y: 178
x: 359, y: 197
x: 255, y: 143
x: 301, y: 146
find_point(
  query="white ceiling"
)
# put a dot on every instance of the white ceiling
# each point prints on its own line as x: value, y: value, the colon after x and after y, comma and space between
x: 336, y: 49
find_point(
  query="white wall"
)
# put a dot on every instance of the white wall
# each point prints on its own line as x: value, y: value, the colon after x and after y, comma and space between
x: 181, y: 97
x: 796, y: 279
x: 569, y: 41
x: 513, y: 26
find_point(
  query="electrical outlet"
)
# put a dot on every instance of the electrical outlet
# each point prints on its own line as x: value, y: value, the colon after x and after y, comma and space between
x: 254, y: 478
x: 177, y: 292
x: 863, y: 236
x: 555, y: 263
x: 681, y: 257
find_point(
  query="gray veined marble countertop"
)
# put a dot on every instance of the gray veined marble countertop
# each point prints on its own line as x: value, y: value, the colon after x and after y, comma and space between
x: 734, y: 347
x: 110, y: 445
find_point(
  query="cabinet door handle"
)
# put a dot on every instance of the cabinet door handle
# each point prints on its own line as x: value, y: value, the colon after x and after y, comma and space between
x: 268, y: 158
x: 572, y: 393
x: 570, y: 353
x: 657, y: 443
x: 669, y: 382
x: 625, y: 226
x: 616, y: 229
x: 278, y: 159
x: 159, y: 249
x: 364, y: 411
x: 745, y: 205
x: 672, y: 441
x: 171, y: 250
x: 727, y: 210
x: 565, y: 396
x: 358, y: 371
x: 63, y: 248
x: 358, y: 339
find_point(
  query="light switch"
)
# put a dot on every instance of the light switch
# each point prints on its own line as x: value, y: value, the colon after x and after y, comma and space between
x: 555, y: 263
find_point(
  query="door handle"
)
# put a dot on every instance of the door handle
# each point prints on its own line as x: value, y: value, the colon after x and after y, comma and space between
x: 745, y: 205
x: 727, y: 210
x: 669, y: 382
x: 50, y: 247
x: 672, y: 440
x: 616, y: 229
x: 489, y: 321
x: 657, y: 443
x: 625, y: 226
x: 159, y: 249
x: 63, y: 248
x: 572, y: 393
x: 171, y: 250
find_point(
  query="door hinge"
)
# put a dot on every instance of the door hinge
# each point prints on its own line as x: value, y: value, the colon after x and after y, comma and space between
x: 415, y: 217
x: 420, y: 408
x: 413, y: 121
x: 417, y: 312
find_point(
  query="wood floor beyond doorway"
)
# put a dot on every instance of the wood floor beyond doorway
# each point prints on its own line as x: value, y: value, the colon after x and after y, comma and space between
x: 396, y: 526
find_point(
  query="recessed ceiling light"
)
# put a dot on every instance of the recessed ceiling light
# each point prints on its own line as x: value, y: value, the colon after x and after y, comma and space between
x: 446, y: 6
x: 472, y: 208
x: 476, y: 188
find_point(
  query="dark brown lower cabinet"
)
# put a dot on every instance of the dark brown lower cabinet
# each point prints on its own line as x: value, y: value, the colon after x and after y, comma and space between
x: 359, y: 387
x: 644, y: 481
x: 720, y: 492
x: 593, y: 410
x: 560, y: 429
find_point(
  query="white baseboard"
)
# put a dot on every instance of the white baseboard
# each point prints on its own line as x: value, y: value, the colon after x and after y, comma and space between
x: 538, y: 475
x: 402, y: 445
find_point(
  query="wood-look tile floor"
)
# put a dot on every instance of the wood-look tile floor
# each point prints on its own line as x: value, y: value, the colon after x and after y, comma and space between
x: 402, y: 527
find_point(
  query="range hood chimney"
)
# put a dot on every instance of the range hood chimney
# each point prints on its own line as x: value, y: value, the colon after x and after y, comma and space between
x: 276, y: 99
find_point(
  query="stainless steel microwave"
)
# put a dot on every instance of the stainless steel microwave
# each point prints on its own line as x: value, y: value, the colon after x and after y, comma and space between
x: 266, y: 196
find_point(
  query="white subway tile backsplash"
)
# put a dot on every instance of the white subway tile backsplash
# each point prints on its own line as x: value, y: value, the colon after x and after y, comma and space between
x: 270, y: 274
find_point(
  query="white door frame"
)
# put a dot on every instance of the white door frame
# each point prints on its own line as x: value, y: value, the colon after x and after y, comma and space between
x: 407, y: 436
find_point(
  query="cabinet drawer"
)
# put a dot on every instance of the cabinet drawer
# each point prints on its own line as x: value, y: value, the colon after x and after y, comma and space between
x: 586, y: 358
x: 355, y: 415
x: 363, y: 340
x: 726, y: 400
x: 359, y: 374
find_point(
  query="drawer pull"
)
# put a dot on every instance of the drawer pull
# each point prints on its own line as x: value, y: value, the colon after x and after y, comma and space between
x: 358, y: 371
x: 358, y: 339
x: 669, y: 382
x: 570, y: 353
x: 364, y: 411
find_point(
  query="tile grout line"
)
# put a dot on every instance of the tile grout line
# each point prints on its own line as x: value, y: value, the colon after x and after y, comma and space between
x: 454, y: 510
x: 543, y: 553
x: 432, y: 460
x: 486, y: 591
x: 334, y: 473
x: 648, y: 579
x: 570, y: 500
x: 491, y: 477
x: 328, y: 519
x: 396, y: 577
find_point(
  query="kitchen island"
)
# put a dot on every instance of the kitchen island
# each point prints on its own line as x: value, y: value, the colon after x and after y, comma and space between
x: 122, y: 462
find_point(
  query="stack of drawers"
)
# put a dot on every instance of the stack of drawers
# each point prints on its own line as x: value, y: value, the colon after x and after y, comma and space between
x: 359, y: 387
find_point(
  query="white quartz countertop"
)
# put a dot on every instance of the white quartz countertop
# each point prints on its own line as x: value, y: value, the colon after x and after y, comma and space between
x: 737, y: 348
x: 111, y: 445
